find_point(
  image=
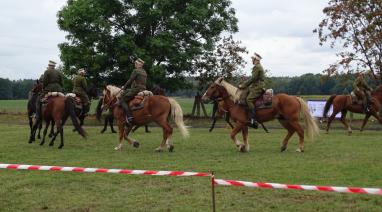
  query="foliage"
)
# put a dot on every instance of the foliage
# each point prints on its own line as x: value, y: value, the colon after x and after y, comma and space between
x: 106, y: 37
x: 355, y: 25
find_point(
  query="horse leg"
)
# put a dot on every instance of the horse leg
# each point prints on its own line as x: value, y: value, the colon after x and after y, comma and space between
x: 264, y: 128
x: 147, y: 129
x: 375, y: 115
x: 245, y: 139
x: 213, y: 124
x: 300, y: 131
x: 51, y: 130
x: 167, y: 132
x: 44, y: 133
x: 61, y: 137
x: 58, y: 126
x: 331, y: 118
x: 104, y: 125
x: 290, y: 130
x: 133, y: 142
x: 111, y: 120
x: 344, y: 122
x: 239, y: 126
x: 122, y: 133
x: 367, y: 116
x: 33, y: 131
x: 39, y: 130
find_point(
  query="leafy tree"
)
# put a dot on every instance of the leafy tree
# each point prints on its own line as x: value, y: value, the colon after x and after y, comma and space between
x: 5, y: 89
x: 106, y: 36
x: 355, y: 25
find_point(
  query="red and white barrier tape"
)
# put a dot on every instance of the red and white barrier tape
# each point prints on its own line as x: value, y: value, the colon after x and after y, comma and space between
x: 115, y: 171
x: 376, y: 191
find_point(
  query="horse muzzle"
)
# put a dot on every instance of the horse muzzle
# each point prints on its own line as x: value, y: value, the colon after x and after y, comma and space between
x: 206, y: 99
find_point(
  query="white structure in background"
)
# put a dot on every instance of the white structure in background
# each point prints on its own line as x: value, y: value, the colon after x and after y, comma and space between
x: 316, y: 108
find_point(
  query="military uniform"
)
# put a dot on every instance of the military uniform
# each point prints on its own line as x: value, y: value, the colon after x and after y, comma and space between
x: 362, y: 90
x: 137, y: 83
x: 80, y: 87
x: 53, y: 81
x: 255, y: 85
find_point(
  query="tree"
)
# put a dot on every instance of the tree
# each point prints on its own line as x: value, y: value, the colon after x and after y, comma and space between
x: 5, y: 89
x: 107, y: 36
x: 225, y: 61
x: 356, y: 25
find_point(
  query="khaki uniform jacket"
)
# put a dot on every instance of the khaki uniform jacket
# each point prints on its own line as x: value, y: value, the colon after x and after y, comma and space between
x: 137, y: 83
x: 53, y: 81
x: 257, y: 81
x: 361, y: 84
x: 79, y: 85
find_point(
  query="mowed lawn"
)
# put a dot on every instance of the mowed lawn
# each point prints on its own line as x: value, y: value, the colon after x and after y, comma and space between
x: 334, y: 159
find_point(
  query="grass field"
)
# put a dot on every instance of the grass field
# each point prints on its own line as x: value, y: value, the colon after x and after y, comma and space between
x: 334, y: 159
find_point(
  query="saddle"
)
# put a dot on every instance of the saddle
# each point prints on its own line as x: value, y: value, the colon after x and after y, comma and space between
x: 263, y: 102
x: 77, y: 100
x: 139, y: 100
x: 46, y: 97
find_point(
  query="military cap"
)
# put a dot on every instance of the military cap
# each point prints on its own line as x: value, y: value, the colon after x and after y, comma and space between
x: 256, y: 57
x: 51, y: 63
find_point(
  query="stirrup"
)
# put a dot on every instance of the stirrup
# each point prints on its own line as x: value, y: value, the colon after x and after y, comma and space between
x: 253, y: 123
x: 129, y: 121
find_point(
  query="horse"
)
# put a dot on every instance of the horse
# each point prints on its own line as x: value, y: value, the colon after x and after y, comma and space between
x: 92, y: 93
x: 109, y: 119
x: 219, y: 110
x: 156, y: 109
x: 344, y: 103
x: 58, y: 109
x: 285, y: 108
x: 31, y: 108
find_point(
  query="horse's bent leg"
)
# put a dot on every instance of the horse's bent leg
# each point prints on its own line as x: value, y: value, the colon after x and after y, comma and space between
x: 213, y: 124
x: 122, y: 135
x: 367, y: 116
x: 51, y: 130
x: 129, y: 140
x: 290, y: 130
x: 344, y: 122
x: 330, y: 119
x: 264, y: 128
x: 58, y: 127
x: 39, y: 130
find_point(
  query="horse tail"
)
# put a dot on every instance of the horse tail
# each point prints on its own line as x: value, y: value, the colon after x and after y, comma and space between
x: 70, y: 109
x: 177, y: 115
x: 99, y: 109
x: 328, y: 103
x: 310, y: 122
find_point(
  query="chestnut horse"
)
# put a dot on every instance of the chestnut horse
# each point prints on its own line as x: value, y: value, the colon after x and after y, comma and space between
x: 58, y: 109
x: 156, y: 109
x: 343, y: 104
x: 285, y: 108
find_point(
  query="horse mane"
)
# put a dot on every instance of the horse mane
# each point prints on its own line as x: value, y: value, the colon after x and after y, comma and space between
x: 114, y: 90
x: 233, y: 92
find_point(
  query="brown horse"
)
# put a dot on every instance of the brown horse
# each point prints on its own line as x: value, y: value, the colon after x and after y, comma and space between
x: 343, y: 104
x: 156, y: 109
x: 58, y: 109
x: 285, y: 108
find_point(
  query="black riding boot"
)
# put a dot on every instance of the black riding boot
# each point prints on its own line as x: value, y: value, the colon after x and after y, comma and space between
x: 253, y: 121
x: 85, y: 109
x: 129, y: 115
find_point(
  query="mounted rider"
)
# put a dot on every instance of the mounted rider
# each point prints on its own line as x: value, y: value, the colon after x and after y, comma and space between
x: 132, y: 87
x: 79, y: 88
x: 363, y: 91
x: 53, y: 81
x: 255, y: 86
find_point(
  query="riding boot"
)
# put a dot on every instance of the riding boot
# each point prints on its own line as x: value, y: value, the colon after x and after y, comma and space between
x: 85, y: 109
x: 253, y: 121
x: 129, y: 115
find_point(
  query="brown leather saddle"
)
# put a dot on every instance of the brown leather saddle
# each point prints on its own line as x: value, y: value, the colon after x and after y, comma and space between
x: 139, y: 100
x: 263, y: 102
x: 45, y: 99
x: 77, y: 100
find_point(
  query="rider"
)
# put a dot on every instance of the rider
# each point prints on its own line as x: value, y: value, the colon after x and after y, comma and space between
x: 256, y: 87
x: 363, y: 91
x: 53, y: 81
x: 132, y: 87
x: 80, y: 88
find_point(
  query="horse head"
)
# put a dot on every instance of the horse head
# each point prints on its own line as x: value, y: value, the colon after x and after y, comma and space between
x: 37, y: 87
x: 214, y: 92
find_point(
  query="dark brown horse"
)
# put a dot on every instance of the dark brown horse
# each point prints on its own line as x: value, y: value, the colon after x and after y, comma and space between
x: 156, y: 109
x: 31, y: 108
x: 343, y: 104
x: 58, y: 109
x: 285, y: 108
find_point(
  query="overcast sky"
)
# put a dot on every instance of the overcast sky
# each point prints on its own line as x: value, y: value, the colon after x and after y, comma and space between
x: 280, y: 31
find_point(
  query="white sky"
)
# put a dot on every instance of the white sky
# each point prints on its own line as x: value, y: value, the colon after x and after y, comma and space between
x: 280, y: 31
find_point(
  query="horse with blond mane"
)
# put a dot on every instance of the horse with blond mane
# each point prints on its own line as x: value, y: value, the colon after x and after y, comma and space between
x: 154, y: 109
x: 286, y: 109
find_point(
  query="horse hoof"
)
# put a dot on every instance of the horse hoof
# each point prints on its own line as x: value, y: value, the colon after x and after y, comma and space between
x: 74, y: 130
x: 242, y: 149
x: 113, y: 131
x: 300, y: 150
x: 283, y: 148
x: 60, y: 147
x: 42, y: 143
x: 102, y: 131
x: 38, y: 137
x: 51, y: 144
x: 158, y: 150
x: 50, y: 135
x: 136, y: 144
x: 171, y: 148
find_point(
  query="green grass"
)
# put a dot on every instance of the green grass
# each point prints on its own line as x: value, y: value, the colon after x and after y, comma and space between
x: 334, y: 159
